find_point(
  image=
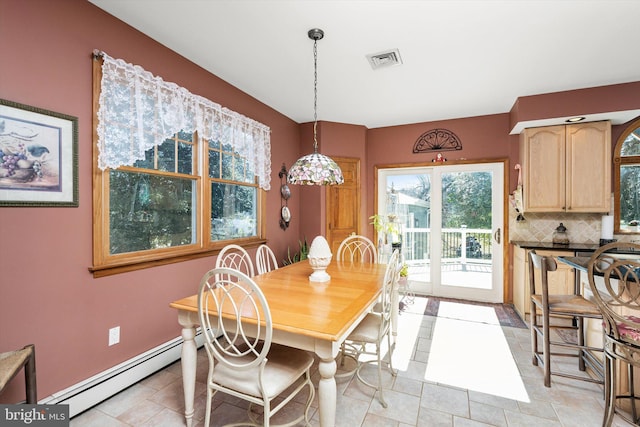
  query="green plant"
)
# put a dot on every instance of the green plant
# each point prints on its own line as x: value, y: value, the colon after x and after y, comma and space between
x: 378, y: 222
x: 386, y: 225
x: 301, y: 255
x: 404, y: 270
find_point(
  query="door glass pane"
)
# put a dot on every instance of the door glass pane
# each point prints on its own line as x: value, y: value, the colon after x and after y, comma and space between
x: 466, y: 229
x: 407, y: 201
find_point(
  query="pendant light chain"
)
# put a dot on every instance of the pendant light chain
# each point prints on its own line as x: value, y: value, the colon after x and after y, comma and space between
x: 315, y: 95
x: 315, y: 168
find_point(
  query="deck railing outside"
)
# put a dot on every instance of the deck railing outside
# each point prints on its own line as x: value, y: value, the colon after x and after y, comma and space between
x: 416, y: 245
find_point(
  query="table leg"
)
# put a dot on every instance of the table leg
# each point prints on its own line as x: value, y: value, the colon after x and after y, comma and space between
x: 327, y: 392
x: 189, y: 360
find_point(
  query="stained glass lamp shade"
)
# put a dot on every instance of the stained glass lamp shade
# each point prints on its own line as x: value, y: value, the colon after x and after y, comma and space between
x: 315, y: 169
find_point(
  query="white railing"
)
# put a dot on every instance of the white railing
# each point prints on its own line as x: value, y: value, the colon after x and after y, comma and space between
x: 416, y: 245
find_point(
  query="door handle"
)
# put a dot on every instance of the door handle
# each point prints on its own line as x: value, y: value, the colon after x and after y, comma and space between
x: 496, y: 236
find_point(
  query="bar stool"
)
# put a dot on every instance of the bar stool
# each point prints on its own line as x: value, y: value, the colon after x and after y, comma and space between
x: 573, y: 307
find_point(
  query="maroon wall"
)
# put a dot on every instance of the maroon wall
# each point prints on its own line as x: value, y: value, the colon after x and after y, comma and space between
x: 483, y: 137
x: 47, y: 295
x: 334, y: 140
x: 593, y: 100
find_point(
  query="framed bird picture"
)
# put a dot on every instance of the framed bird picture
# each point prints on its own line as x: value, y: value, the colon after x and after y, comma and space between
x: 38, y: 157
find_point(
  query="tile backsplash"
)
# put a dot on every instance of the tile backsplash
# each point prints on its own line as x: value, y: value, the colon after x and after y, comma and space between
x: 539, y: 227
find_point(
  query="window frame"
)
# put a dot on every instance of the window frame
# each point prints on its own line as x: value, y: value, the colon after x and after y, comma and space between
x: 105, y: 264
x: 618, y: 161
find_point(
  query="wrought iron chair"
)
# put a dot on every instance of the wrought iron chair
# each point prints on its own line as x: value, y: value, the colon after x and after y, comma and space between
x: 373, y: 329
x: 237, y: 258
x: 568, y: 313
x: 356, y: 248
x: 243, y: 362
x: 265, y: 259
x: 11, y: 362
x: 614, y: 280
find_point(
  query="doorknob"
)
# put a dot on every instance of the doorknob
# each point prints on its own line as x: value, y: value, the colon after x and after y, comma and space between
x: 496, y: 235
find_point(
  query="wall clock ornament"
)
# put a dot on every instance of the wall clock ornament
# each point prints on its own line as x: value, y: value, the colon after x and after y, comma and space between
x: 437, y: 140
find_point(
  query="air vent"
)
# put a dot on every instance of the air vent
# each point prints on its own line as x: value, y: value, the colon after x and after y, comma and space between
x: 385, y: 59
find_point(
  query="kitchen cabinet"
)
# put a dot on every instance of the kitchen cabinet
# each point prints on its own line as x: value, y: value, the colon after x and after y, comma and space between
x: 566, y: 168
x: 561, y: 281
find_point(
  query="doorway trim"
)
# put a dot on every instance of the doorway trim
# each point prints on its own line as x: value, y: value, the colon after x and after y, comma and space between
x: 506, y: 278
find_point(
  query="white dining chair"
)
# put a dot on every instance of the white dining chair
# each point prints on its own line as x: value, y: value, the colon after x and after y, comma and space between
x: 373, y: 329
x: 357, y: 248
x: 265, y: 259
x: 235, y: 257
x: 243, y: 361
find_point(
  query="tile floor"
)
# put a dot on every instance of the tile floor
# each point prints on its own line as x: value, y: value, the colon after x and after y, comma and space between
x: 460, y: 369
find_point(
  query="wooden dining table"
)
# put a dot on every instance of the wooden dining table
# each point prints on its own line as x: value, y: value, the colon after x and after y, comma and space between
x: 311, y: 316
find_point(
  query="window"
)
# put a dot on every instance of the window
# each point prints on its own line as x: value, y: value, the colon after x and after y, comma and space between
x: 234, y: 194
x: 153, y: 204
x: 627, y: 180
x: 160, y: 199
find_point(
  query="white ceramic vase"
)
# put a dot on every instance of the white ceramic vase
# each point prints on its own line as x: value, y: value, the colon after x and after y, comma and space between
x: 319, y: 259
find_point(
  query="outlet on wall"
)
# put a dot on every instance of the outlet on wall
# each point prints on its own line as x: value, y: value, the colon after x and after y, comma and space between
x: 114, y: 335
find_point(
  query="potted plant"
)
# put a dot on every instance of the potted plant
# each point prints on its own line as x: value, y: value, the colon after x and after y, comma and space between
x: 387, y: 226
x: 301, y: 255
x: 388, y: 231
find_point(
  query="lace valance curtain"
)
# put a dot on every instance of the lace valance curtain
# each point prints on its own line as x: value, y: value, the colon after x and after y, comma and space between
x: 138, y: 111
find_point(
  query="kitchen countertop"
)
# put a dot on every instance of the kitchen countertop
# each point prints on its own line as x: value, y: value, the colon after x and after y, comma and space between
x: 571, y: 247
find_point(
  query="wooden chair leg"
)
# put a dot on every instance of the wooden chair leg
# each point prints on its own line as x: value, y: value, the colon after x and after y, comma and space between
x: 534, y: 334
x: 546, y: 349
x: 30, y: 377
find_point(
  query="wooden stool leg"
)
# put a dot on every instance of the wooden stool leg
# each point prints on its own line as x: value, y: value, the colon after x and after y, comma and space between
x: 581, y: 352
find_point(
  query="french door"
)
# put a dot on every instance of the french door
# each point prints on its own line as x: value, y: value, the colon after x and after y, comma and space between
x: 451, y: 220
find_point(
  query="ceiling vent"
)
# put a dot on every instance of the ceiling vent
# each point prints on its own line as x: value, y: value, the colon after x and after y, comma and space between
x: 385, y: 59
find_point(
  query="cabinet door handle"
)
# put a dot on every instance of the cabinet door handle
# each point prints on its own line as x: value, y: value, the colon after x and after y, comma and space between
x: 496, y: 235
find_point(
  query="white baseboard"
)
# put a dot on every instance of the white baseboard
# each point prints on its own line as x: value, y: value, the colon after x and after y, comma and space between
x: 94, y: 390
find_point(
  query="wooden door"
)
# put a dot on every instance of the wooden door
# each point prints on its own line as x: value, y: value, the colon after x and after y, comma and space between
x: 343, y: 204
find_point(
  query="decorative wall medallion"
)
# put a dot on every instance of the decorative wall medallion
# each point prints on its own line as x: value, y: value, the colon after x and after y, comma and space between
x: 285, y: 193
x: 286, y: 214
x: 437, y: 140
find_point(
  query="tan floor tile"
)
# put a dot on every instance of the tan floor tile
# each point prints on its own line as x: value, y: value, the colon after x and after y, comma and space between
x: 142, y: 412
x: 445, y: 399
x: 487, y: 414
x: 125, y: 400
x: 413, y: 401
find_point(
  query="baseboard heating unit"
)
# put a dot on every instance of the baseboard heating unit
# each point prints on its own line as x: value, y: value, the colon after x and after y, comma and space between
x: 102, y: 386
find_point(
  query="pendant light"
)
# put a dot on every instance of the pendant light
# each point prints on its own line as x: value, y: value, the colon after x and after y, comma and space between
x: 315, y: 168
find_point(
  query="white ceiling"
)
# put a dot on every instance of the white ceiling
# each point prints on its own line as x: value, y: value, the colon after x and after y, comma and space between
x: 460, y: 58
